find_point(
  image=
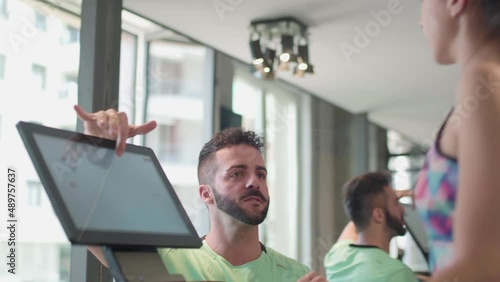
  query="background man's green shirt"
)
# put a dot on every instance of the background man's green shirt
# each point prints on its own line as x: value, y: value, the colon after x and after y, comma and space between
x: 368, y: 264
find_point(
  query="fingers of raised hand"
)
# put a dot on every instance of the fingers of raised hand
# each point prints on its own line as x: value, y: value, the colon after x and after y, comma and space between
x: 112, y: 124
x: 82, y: 114
x: 101, y: 121
x: 407, y: 193
x: 141, y: 129
x: 404, y: 193
x: 122, y: 131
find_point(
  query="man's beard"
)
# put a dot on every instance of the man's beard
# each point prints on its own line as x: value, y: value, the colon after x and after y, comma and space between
x: 230, y: 207
x: 394, y: 224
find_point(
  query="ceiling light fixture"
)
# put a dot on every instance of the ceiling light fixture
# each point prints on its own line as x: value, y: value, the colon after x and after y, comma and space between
x: 287, y: 37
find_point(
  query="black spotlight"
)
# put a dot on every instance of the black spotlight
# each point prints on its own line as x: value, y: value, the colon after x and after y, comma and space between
x: 298, y: 72
x: 258, y: 57
x: 303, y: 60
x: 287, y: 54
x: 268, y: 68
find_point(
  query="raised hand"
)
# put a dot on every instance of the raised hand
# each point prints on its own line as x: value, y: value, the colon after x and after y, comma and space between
x: 111, y: 124
x: 406, y: 193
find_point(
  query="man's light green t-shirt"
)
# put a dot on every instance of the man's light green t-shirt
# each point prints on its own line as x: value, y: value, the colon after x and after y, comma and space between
x: 345, y: 262
x: 205, y: 264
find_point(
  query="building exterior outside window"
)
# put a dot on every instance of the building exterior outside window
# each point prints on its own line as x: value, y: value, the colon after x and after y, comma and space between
x: 39, y: 76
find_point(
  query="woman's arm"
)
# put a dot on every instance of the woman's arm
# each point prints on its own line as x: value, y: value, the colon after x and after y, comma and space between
x: 476, y: 222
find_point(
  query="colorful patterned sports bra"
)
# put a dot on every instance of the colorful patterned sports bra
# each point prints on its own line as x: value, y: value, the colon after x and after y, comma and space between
x: 435, y: 195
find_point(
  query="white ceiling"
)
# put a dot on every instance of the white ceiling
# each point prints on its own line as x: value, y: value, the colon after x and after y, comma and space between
x: 393, y: 78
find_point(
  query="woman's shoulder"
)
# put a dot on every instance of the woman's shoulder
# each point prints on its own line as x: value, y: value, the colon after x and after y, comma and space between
x: 480, y: 81
x: 479, y: 71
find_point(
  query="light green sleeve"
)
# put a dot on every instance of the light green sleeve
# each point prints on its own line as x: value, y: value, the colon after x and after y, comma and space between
x: 403, y: 275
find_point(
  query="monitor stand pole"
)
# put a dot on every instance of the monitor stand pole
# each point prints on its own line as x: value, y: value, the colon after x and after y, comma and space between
x: 135, y: 266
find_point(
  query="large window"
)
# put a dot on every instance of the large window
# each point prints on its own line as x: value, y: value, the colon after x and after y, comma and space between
x: 273, y: 114
x: 405, y: 162
x: 247, y: 101
x: 40, y: 64
x: 282, y: 163
x: 166, y: 76
x: 179, y: 77
x: 178, y: 86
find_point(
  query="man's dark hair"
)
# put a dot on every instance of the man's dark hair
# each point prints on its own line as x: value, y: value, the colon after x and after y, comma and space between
x: 364, y: 193
x: 226, y: 138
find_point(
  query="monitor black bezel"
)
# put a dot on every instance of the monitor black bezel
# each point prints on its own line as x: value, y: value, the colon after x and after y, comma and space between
x: 117, y: 240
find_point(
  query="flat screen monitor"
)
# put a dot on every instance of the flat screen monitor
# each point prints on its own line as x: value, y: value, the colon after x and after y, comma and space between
x: 415, y: 226
x: 124, y: 202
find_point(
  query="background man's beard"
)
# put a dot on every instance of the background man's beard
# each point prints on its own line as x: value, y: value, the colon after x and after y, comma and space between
x: 394, y: 224
x: 230, y: 207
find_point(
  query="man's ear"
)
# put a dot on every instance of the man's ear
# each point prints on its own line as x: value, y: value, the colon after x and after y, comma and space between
x: 456, y: 7
x: 206, y: 194
x: 378, y: 215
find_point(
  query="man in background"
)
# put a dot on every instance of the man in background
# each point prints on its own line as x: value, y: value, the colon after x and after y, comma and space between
x: 362, y: 251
